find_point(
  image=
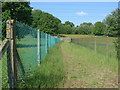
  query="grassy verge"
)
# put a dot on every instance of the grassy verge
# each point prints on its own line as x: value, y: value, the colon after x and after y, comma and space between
x: 49, y: 74
x: 87, y: 69
x: 72, y: 66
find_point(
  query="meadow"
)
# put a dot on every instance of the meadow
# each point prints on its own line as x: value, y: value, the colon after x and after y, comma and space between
x: 69, y: 64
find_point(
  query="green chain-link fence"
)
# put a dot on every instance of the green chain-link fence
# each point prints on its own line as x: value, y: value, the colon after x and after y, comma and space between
x: 32, y: 45
x: 4, y: 72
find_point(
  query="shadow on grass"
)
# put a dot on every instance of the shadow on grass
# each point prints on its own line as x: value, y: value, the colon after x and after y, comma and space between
x: 25, y: 46
x: 28, y: 46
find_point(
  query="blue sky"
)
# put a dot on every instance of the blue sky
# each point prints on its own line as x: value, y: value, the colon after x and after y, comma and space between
x: 77, y: 12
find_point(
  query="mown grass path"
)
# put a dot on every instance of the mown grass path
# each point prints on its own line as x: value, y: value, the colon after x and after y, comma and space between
x: 87, y: 69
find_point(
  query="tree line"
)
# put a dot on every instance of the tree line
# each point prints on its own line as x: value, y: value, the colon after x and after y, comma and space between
x: 21, y: 11
x: 109, y: 26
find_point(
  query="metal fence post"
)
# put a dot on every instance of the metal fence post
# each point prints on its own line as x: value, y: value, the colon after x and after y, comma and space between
x: 95, y: 44
x: 46, y: 43
x: 107, y: 47
x: 11, y: 36
x: 38, y: 44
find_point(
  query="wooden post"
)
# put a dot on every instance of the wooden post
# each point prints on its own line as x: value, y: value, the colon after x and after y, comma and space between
x: 11, y: 36
x: 9, y: 68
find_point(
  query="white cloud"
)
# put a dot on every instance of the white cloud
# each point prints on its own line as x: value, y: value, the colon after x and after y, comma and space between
x: 81, y: 13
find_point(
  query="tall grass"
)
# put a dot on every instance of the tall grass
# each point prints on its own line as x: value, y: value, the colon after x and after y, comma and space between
x: 67, y: 63
x: 49, y: 74
x: 87, y: 69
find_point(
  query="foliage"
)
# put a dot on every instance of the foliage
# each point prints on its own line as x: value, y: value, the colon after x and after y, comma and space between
x: 84, y: 28
x: 69, y: 23
x: 99, y: 28
x: 45, y: 22
x: 66, y: 29
x: 59, y: 35
x: 111, y: 22
x: 20, y: 11
x: 49, y: 74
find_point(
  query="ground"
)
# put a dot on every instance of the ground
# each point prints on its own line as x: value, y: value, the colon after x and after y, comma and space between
x: 84, y: 72
x: 68, y: 65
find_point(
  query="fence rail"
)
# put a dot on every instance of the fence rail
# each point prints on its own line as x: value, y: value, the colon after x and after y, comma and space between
x: 22, y: 50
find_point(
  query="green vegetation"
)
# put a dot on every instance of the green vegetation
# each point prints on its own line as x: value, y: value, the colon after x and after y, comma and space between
x: 71, y: 65
x: 18, y: 11
x: 27, y: 49
x: 3, y: 72
x: 112, y: 22
x: 52, y: 25
x: 103, y: 45
x: 66, y: 64
x: 49, y: 74
x: 99, y: 28
x: 84, y: 28
x: 45, y: 22
x: 87, y: 69
x: 109, y: 26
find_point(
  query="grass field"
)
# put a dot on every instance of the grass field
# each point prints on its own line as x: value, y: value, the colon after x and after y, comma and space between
x: 68, y: 65
x: 88, y: 69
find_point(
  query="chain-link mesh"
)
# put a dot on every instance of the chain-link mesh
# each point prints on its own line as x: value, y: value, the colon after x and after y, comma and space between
x: 2, y: 30
x: 4, y: 70
x: 0, y: 22
x: 103, y: 45
x: 26, y: 45
x: 0, y: 74
x: 32, y: 45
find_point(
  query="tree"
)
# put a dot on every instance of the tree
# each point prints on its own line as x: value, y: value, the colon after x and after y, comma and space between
x: 62, y: 29
x: 111, y: 22
x: 69, y: 23
x: 20, y: 11
x: 84, y: 28
x: 45, y: 22
x: 99, y: 28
